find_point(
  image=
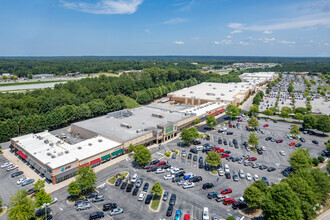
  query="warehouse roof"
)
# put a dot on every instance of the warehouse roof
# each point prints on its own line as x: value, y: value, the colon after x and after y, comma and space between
x: 126, y: 124
x: 205, y: 108
x: 54, y: 152
x: 214, y: 91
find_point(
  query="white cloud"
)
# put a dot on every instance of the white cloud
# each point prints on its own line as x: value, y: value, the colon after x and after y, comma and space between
x: 236, y: 32
x: 286, y: 42
x: 105, y: 6
x: 175, y: 21
x: 226, y: 42
x: 147, y: 31
x: 216, y: 42
x: 268, y: 32
x: 296, y: 23
x: 326, y: 44
x: 229, y: 36
x: 244, y: 43
x: 179, y: 42
x: 235, y: 25
x: 268, y: 40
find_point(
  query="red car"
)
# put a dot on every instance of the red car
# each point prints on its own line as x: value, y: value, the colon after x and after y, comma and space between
x: 218, y: 149
x: 228, y: 201
x: 239, y: 120
x: 224, y: 155
x: 230, y: 125
x: 292, y: 143
x: 279, y: 141
x: 161, y: 163
x: 252, y: 159
x: 266, y: 125
x: 186, y: 217
x: 226, y: 191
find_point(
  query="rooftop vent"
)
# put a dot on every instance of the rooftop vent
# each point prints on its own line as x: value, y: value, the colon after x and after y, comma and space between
x: 53, y: 156
x: 51, y: 144
x: 214, y: 88
x: 90, y: 144
x: 156, y: 115
x: 79, y: 148
x: 60, y: 154
x: 48, y: 154
x: 46, y: 141
x: 138, y: 130
x: 66, y: 152
x: 222, y: 94
x: 191, y: 91
x: 125, y: 125
x: 100, y: 140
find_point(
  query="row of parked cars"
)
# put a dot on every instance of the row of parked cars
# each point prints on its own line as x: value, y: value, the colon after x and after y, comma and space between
x: 9, y: 166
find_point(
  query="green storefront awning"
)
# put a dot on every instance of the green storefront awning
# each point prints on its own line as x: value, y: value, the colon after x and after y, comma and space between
x: 106, y: 157
x: 117, y: 152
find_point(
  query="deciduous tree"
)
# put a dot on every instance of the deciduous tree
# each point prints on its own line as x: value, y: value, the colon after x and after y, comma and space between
x: 42, y: 197
x: 213, y: 158
x: 300, y: 159
x: 253, y: 139
x: 232, y: 111
x: 86, y: 178
x: 142, y: 155
x: 211, y: 121
x: 189, y: 134
x: 253, y: 122
x: 21, y: 207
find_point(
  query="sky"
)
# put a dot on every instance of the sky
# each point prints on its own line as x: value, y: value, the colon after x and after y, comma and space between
x: 298, y: 28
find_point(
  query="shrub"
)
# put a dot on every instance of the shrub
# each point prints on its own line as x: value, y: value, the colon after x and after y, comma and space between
x: 167, y: 154
x: 315, y: 161
x: 175, y: 151
x: 321, y: 159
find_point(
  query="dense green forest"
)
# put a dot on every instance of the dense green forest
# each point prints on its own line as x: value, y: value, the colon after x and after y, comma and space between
x: 25, y: 66
x: 53, y: 108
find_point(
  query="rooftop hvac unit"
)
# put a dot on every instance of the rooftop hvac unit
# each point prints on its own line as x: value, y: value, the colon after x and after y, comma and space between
x: 100, y: 140
x: 66, y: 152
x: 138, y: 130
x: 156, y: 115
x: 230, y: 90
x: 222, y: 94
x: 90, y: 144
x: 48, y: 154
x: 214, y: 88
x: 46, y: 141
x: 125, y: 125
x: 60, y: 154
x: 210, y: 85
x: 51, y: 144
x: 191, y: 91
x: 79, y: 148
x: 53, y: 156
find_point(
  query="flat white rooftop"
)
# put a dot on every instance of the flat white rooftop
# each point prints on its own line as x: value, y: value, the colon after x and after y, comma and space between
x: 214, y: 91
x: 204, y: 108
x: 52, y: 151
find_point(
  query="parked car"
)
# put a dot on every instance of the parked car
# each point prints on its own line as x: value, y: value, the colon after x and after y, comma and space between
x: 96, y: 215
x: 206, y: 215
x: 135, y: 191
x: 282, y: 153
x: 109, y: 206
x: 221, y: 172
x: 20, y: 181
x: 17, y: 173
x: 129, y: 187
x: 142, y: 195
x: 194, y: 150
x: 227, y: 174
x: 172, y: 200
x: 118, y: 181
x: 145, y: 187
x: 123, y: 185
x: 116, y: 211
x: 265, y: 180
x: 315, y: 142
x: 235, y: 177
x: 148, y: 199
x: 98, y: 198
x: 27, y: 182
x: 78, y: 201
x: 195, y: 179
x: 212, y: 195
x: 165, y: 196
x: 241, y: 173
x: 256, y: 177
x: 226, y: 191
x: 271, y: 169
x: 169, y: 211
x: 228, y: 201
x: 139, y: 183
x: 248, y: 177
x: 134, y: 178
x: 83, y: 206
x: 187, y: 185
x: 168, y: 176
x: 208, y: 185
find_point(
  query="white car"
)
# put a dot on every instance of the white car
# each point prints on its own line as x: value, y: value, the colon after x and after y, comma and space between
x: 12, y: 168
x: 134, y: 178
x: 282, y: 153
x: 180, y: 182
x: 6, y: 165
x: 160, y: 170
x: 241, y: 173
x: 187, y: 185
x: 221, y: 172
x: 54, y: 200
x: 256, y: 177
x: 227, y: 170
x: 116, y: 211
x: 175, y: 170
x: 206, y: 215
x: 20, y: 181
x: 263, y: 148
x: 248, y: 177
x: 168, y: 177
x: 142, y: 195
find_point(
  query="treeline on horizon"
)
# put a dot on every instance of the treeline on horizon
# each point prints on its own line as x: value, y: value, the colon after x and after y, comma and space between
x: 27, y: 66
x: 42, y: 109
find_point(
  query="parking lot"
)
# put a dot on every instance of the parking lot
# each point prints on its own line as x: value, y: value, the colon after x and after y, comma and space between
x: 193, y: 200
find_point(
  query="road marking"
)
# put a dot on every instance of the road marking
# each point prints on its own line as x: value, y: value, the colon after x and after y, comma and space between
x: 61, y: 209
x: 101, y: 186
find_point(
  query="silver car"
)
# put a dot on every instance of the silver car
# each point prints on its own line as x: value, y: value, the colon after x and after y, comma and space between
x: 116, y: 211
x: 83, y: 206
x: 241, y: 174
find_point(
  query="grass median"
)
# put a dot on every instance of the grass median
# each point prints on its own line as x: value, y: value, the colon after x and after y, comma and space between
x: 155, y: 202
x: 113, y: 179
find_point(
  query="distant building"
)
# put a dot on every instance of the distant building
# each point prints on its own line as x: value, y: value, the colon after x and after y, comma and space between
x: 6, y: 74
x: 42, y: 76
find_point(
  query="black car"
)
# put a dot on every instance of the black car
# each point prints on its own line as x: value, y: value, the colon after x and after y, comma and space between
x: 298, y: 145
x: 194, y: 150
x: 31, y: 191
x: 96, y: 215
x: 201, y: 165
x: 225, y: 142
x: 109, y: 206
x: 169, y: 211
x: 118, y: 181
x: 196, y: 142
x: 148, y: 199
x: 268, y: 138
x: 91, y: 195
x: 260, y: 151
x: 235, y: 141
x: 154, y: 162
x: 152, y: 168
x: 302, y: 139
x: 212, y: 195
x: 78, y: 201
x: 123, y: 186
x: 219, y: 141
x: 145, y: 187
x: 129, y: 187
x: 271, y: 169
x: 180, y: 173
x: 172, y: 200
x: 41, y: 212
x: 325, y: 153
x: 166, y: 166
x: 195, y: 179
x: 207, y: 138
x: 17, y: 173
x: 227, y: 152
x: 208, y: 185
x: 48, y: 217
x: 263, y: 167
x: 228, y: 176
x: 135, y: 191
x: 274, y: 121
x: 207, y: 167
x: 239, y: 205
x: 265, y: 180
x: 229, y: 133
x: 315, y: 142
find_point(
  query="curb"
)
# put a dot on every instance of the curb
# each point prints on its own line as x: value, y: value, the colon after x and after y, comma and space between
x: 160, y: 203
x: 4, y: 211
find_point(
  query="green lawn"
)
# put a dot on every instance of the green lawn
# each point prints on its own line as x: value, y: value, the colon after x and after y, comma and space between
x: 214, y: 172
x: 25, y: 83
x: 113, y: 179
x: 155, y: 202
